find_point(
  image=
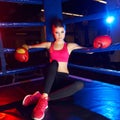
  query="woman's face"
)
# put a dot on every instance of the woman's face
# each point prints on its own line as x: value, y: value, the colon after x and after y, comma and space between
x: 58, y: 33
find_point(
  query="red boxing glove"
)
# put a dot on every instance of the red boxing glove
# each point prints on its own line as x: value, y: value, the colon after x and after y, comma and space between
x: 21, y: 54
x: 102, y: 41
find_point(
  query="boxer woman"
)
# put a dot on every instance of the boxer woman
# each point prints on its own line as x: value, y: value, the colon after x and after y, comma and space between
x: 57, y: 73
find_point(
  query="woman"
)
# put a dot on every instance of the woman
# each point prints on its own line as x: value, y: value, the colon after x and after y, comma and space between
x: 58, y: 72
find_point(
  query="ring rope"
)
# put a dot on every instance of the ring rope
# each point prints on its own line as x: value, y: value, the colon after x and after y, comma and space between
x: 4, y: 70
x: 37, y: 2
x: 22, y: 24
x: 21, y: 70
x: 9, y: 50
x: 96, y: 69
x: 22, y: 82
x: 80, y: 78
x: 114, y: 47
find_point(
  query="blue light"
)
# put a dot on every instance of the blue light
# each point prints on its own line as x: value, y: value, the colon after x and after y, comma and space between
x: 110, y: 19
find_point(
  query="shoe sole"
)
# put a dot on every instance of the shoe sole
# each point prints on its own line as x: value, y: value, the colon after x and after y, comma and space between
x: 39, y: 118
x: 42, y: 116
x: 23, y: 103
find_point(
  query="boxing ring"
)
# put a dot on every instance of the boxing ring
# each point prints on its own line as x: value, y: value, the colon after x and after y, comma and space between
x: 99, y: 99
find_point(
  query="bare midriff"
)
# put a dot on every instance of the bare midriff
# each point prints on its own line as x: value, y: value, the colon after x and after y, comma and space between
x: 63, y: 67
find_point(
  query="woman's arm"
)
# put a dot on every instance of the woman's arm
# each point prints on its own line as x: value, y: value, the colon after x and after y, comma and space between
x: 73, y: 46
x: 40, y: 45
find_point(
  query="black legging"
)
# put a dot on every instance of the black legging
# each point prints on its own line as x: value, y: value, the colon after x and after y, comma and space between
x: 55, y: 80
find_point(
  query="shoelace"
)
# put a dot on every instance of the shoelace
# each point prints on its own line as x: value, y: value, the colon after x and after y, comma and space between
x: 42, y: 103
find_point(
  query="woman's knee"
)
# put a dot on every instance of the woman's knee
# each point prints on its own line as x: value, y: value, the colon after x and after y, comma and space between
x: 79, y: 85
x: 54, y: 62
x: 53, y: 65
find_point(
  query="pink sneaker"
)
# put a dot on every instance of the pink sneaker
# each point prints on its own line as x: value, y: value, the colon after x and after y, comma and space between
x: 39, y: 110
x: 31, y: 99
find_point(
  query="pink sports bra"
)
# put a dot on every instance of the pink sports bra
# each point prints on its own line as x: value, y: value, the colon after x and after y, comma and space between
x: 59, y: 55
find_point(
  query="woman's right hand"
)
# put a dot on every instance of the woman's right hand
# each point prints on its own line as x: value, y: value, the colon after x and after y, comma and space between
x: 25, y: 46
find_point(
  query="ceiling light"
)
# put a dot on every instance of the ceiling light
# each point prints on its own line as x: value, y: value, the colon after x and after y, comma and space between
x: 70, y: 14
x: 110, y: 19
x: 101, y: 1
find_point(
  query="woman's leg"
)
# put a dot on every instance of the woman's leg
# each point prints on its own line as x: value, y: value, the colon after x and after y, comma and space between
x: 39, y: 110
x: 50, y: 76
x: 51, y: 81
x: 66, y: 91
